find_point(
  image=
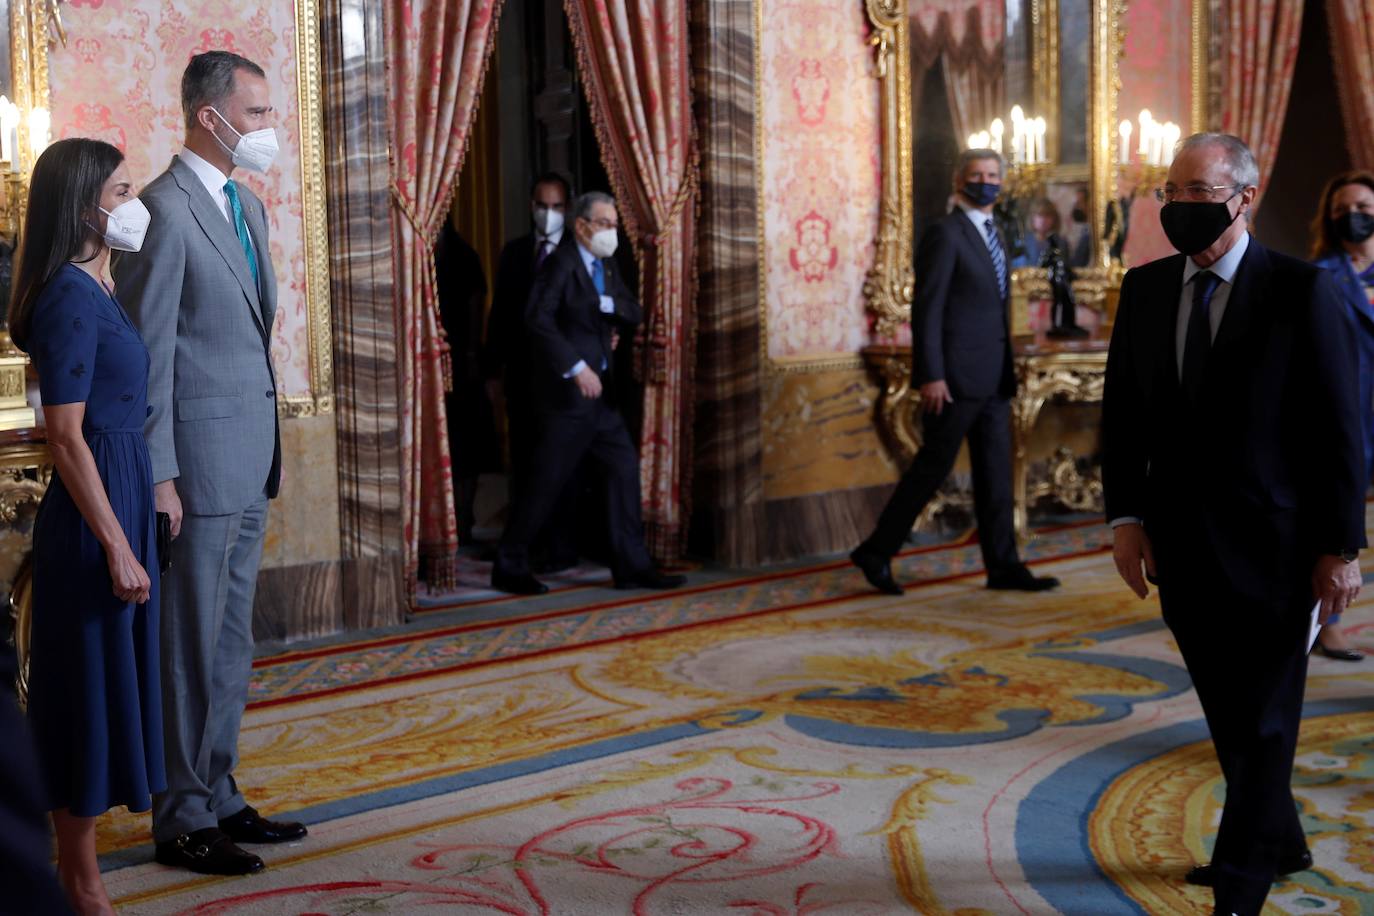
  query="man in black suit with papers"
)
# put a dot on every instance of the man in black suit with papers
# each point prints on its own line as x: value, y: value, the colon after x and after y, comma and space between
x: 1233, y: 474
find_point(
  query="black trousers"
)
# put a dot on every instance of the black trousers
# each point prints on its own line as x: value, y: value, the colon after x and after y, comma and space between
x: 986, y: 423
x: 1248, y: 661
x: 597, y: 433
x: 555, y: 541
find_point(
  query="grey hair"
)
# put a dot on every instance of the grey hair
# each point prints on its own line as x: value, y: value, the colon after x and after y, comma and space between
x: 973, y: 155
x: 582, y: 207
x: 1240, y: 162
x: 209, y: 80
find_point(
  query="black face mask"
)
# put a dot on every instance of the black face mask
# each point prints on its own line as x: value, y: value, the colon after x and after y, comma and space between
x: 1355, y: 227
x: 1192, y: 228
x: 981, y: 193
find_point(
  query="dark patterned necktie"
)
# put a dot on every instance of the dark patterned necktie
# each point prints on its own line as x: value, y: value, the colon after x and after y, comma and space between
x: 999, y: 257
x: 545, y: 246
x: 1198, y: 342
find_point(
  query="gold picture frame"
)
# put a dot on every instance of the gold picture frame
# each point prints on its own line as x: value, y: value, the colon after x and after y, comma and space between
x: 314, y: 219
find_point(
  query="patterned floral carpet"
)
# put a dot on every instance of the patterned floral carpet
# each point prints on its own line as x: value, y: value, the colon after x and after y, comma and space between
x: 785, y: 743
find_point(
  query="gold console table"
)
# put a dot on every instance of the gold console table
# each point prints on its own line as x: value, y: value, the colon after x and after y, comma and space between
x: 25, y: 472
x: 1069, y: 371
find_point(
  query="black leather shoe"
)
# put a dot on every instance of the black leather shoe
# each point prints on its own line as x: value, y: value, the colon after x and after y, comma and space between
x: 248, y: 826
x: 877, y: 571
x: 207, y: 852
x: 517, y: 584
x: 1021, y: 579
x: 1206, y: 876
x: 1341, y: 655
x: 650, y: 578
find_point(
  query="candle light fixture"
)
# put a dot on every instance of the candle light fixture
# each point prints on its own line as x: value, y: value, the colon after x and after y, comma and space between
x: 1023, y: 150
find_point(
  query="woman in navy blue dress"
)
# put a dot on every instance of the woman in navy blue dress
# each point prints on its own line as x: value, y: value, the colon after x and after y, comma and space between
x: 94, y: 695
x: 1343, y: 243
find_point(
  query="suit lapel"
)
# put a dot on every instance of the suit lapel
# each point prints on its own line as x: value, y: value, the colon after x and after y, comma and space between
x: 1168, y: 327
x: 221, y: 234
x: 255, y: 219
x: 1235, y: 322
x: 980, y: 248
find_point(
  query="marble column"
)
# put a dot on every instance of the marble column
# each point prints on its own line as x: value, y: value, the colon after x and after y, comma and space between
x: 728, y: 493
x: 366, y: 366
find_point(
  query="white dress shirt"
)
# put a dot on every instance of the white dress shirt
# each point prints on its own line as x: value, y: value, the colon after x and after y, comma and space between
x: 1225, y: 269
x: 978, y: 218
x: 214, y: 181
x: 607, y: 306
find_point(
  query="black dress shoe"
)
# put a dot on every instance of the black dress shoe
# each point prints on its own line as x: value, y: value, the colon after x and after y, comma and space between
x: 650, y: 578
x: 1206, y: 875
x: 517, y: 584
x: 1341, y: 655
x: 1021, y: 579
x: 248, y: 826
x: 877, y: 571
x: 208, y: 852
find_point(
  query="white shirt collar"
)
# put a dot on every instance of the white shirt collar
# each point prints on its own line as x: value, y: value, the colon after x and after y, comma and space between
x: 979, y: 218
x: 209, y: 175
x: 1226, y: 266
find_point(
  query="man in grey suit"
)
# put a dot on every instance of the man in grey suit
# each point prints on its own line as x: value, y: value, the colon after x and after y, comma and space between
x: 203, y: 293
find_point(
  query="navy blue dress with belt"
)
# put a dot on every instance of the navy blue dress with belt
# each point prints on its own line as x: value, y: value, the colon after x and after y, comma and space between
x: 94, y: 696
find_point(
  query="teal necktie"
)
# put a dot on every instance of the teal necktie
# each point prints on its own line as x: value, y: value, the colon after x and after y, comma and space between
x: 231, y: 191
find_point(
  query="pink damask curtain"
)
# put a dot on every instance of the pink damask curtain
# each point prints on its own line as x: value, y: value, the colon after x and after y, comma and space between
x: 965, y: 37
x: 633, y: 58
x: 1261, y: 50
x: 1352, y: 47
x: 437, y: 53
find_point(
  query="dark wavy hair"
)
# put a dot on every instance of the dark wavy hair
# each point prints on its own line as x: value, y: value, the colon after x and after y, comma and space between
x: 1323, y: 230
x: 63, y: 193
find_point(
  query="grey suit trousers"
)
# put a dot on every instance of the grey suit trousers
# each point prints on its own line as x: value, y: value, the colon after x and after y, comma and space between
x: 207, y: 654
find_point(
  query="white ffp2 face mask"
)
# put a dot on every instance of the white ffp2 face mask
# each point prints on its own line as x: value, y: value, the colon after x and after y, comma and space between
x: 548, y: 221
x: 603, y: 243
x: 126, y: 225
x: 254, y: 151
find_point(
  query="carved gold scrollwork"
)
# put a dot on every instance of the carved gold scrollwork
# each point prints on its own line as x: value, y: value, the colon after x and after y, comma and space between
x: 1066, y: 483
x: 890, y: 283
x: 1070, y: 375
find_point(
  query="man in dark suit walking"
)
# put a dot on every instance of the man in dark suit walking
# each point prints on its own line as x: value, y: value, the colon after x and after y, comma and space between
x: 507, y: 361
x: 962, y: 364
x: 1233, y: 475
x: 576, y: 311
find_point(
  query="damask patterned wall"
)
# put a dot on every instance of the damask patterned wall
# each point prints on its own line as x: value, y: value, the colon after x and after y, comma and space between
x: 819, y: 143
x: 118, y: 79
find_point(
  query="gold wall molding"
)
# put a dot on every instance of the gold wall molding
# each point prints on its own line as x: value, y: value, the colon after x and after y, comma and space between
x: 1200, y: 39
x: 314, y: 219
x: 1108, y: 46
x: 891, y: 281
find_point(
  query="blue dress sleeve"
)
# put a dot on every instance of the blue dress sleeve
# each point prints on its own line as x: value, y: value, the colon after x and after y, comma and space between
x: 63, y: 339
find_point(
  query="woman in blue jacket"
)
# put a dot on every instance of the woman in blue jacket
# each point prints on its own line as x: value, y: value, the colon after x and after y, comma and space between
x: 1343, y: 243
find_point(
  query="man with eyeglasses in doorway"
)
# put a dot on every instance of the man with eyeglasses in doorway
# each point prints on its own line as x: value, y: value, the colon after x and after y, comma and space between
x: 577, y: 312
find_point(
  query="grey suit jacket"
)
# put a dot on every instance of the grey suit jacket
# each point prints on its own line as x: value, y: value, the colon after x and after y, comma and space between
x: 212, y: 391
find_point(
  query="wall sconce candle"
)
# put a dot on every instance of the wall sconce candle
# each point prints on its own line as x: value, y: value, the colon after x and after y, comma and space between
x: 40, y: 121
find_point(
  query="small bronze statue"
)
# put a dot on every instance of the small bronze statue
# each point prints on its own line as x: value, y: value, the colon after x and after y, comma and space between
x: 1064, y: 311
